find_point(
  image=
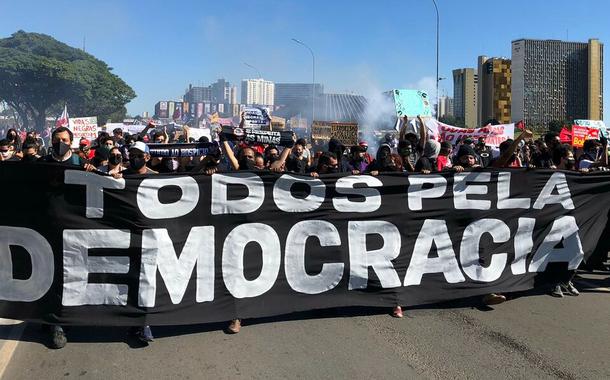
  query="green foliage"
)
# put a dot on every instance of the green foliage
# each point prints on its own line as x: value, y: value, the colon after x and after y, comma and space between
x: 39, y: 74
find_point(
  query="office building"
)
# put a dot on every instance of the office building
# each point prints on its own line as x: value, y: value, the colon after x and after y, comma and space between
x: 257, y: 92
x: 445, y: 106
x: 196, y: 94
x: 465, y: 96
x: 290, y: 93
x: 494, y: 90
x: 556, y: 80
x: 222, y: 92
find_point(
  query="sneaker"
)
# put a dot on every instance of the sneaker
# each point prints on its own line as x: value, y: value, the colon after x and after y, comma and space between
x: 58, y: 337
x: 234, y: 326
x: 557, y: 291
x: 397, y: 312
x: 494, y: 299
x: 570, y: 289
x: 144, y: 334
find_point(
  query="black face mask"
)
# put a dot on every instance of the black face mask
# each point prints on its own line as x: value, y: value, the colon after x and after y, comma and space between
x: 60, y: 148
x: 247, y: 164
x: 333, y: 170
x: 29, y: 158
x: 136, y: 163
x: 115, y: 159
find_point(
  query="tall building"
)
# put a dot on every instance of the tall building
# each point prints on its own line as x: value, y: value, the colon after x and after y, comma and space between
x: 445, y: 106
x: 198, y: 94
x: 556, y: 80
x: 223, y: 92
x: 465, y: 96
x: 289, y: 93
x: 494, y: 90
x: 258, y: 92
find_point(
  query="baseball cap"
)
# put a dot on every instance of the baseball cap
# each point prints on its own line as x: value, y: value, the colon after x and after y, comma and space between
x: 84, y: 142
x: 139, y: 145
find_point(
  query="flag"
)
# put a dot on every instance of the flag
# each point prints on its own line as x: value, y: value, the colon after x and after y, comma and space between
x: 62, y: 121
x: 520, y: 125
x: 565, y: 136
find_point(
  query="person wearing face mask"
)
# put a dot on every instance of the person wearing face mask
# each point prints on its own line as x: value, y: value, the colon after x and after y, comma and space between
x: 114, y: 167
x: 271, y: 154
x: 61, y: 152
x: 139, y: 155
x: 568, y: 162
x: 590, y: 158
x: 29, y: 149
x: 383, y: 162
x: 7, y: 151
x: 327, y: 164
x: 357, y: 162
x: 13, y: 137
x: 297, y: 162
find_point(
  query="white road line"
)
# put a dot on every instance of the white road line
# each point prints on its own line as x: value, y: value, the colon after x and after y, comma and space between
x: 8, y: 348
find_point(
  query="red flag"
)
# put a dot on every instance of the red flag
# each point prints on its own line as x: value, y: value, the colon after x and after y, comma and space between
x: 63, y: 119
x: 520, y: 125
x: 565, y: 136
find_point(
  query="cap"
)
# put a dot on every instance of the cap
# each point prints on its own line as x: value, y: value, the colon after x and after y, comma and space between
x: 139, y: 145
x: 84, y: 142
x: 363, y: 143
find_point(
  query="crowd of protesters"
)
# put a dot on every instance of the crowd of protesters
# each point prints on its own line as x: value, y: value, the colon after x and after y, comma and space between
x: 119, y: 154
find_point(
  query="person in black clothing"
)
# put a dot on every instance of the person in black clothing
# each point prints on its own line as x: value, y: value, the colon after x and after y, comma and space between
x: 61, y: 152
x: 297, y: 162
x: 383, y: 161
x: 7, y: 151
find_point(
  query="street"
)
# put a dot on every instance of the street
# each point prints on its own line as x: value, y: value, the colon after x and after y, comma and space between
x: 532, y: 336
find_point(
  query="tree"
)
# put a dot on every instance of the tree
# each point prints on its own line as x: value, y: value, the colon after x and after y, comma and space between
x: 555, y: 126
x: 39, y: 74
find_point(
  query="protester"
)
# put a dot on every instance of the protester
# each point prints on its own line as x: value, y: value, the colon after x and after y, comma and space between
x: 7, y: 151
x: 29, y: 149
x: 443, y: 161
x: 357, y: 163
x: 114, y: 167
x: 61, y: 153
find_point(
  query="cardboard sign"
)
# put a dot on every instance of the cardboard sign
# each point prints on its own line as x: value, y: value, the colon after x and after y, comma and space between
x: 83, y: 127
x: 323, y: 131
x: 411, y: 103
x: 256, y: 118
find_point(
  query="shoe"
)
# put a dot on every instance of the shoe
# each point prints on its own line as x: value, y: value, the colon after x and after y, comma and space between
x: 397, y: 312
x: 557, y: 291
x: 570, y: 289
x: 494, y: 299
x: 234, y: 326
x: 58, y: 337
x: 144, y: 334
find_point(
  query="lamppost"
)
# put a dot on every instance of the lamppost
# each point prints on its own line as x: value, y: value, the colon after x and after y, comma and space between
x: 437, y: 78
x: 313, y: 80
x: 255, y: 69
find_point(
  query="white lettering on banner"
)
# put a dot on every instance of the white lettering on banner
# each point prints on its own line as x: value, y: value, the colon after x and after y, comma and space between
x: 461, y: 189
x: 416, y: 191
x: 252, y: 202
x: 95, y: 185
x: 152, y: 208
x: 286, y: 202
x: 294, y: 259
x: 41, y: 257
x: 504, y: 200
x: 564, y: 230
x: 557, y: 181
x: 379, y: 259
x: 469, y: 249
x: 158, y: 254
x: 77, y: 290
x: 524, y: 244
x: 233, y: 259
x: 433, y: 232
x: 372, y: 197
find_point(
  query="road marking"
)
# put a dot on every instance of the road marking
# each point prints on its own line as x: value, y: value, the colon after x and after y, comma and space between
x: 8, y: 348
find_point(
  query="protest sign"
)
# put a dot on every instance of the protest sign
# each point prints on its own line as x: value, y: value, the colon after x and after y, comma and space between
x: 596, y: 124
x: 257, y: 136
x: 411, y: 103
x: 580, y: 134
x: 323, y: 131
x: 184, y: 149
x: 189, y: 248
x: 256, y: 118
x: 83, y: 127
x: 197, y: 133
x: 494, y: 134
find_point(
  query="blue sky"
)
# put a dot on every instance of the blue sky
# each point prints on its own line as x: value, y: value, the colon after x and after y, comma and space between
x: 159, y: 47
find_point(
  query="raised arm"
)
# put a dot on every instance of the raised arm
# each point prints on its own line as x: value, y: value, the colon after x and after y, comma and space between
x: 230, y: 155
x: 423, y: 132
x: 503, y: 160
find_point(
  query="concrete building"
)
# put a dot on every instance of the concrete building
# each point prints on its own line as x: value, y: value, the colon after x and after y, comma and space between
x: 445, y: 106
x: 465, y: 96
x: 258, y: 92
x: 556, y: 80
x: 223, y: 92
x: 287, y: 94
x: 198, y: 94
x: 494, y: 90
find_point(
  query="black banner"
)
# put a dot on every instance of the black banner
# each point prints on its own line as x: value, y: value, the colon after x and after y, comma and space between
x: 184, y: 149
x: 258, y: 136
x: 81, y: 248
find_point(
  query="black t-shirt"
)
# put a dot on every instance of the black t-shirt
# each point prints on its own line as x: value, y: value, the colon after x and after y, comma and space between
x: 74, y: 160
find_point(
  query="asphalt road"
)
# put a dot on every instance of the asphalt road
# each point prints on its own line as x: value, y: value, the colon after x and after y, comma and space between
x: 533, y: 336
